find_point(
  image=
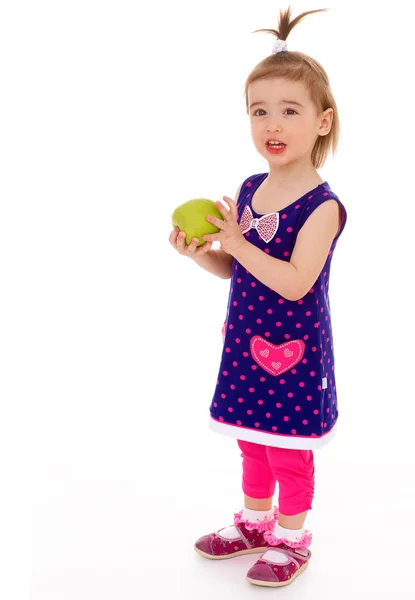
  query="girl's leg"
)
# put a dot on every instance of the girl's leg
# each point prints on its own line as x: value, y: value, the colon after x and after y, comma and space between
x: 258, y: 480
x: 294, y: 471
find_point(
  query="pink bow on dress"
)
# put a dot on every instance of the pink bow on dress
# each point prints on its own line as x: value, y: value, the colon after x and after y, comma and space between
x: 266, y: 226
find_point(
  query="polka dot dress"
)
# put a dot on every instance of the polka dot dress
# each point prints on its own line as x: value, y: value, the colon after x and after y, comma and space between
x: 276, y: 383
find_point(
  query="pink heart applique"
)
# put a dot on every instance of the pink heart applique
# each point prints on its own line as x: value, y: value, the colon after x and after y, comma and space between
x: 276, y: 359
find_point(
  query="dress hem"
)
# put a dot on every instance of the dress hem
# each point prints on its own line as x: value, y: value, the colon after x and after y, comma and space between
x: 272, y: 439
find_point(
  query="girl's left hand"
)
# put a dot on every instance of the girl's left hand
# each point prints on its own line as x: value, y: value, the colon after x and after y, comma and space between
x: 230, y: 237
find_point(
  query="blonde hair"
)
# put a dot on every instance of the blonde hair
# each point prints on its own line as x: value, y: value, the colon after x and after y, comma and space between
x: 296, y: 66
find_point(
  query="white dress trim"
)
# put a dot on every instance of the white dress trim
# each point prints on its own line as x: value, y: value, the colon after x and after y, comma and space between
x: 272, y: 439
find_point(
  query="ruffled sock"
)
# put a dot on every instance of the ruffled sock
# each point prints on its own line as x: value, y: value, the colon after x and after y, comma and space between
x: 261, y: 520
x: 295, y: 538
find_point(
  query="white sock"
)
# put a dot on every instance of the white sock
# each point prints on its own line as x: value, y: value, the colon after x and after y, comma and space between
x: 253, y: 516
x: 291, y: 535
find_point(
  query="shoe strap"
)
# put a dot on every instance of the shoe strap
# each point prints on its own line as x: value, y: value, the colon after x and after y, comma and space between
x: 292, y: 552
x: 244, y: 538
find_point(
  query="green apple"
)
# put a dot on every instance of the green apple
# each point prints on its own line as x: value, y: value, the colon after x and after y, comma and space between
x: 190, y: 217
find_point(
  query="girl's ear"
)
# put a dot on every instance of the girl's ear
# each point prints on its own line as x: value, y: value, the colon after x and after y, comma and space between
x: 326, y: 121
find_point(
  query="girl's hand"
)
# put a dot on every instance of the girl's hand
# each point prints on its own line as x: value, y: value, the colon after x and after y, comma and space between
x: 177, y: 239
x: 230, y: 237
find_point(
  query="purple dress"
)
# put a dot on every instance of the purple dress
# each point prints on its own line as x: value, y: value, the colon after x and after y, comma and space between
x: 276, y: 384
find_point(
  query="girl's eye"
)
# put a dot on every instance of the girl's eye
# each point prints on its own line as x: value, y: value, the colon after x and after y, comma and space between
x: 261, y: 109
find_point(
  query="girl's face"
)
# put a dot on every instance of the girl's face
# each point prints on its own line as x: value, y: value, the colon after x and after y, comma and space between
x: 281, y: 110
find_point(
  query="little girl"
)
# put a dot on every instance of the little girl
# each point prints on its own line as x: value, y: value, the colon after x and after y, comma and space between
x: 276, y: 389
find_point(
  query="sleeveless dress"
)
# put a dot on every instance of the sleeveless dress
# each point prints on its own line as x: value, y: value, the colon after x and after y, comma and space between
x: 276, y: 383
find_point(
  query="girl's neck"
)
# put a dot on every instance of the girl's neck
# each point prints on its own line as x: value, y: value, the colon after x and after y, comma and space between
x: 287, y: 178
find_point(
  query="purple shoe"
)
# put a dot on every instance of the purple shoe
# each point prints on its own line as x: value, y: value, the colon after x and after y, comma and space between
x: 271, y: 574
x: 251, y: 539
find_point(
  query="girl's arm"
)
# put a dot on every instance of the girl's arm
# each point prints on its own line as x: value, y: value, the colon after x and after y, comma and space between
x: 293, y: 279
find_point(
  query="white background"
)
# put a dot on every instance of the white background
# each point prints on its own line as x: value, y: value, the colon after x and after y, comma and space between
x: 112, y: 114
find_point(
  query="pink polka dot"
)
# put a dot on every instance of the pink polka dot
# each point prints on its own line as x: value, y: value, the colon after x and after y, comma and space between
x: 256, y: 424
x: 284, y: 216
x: 290, y: 394
x: 289, y: 229
x: 270, y: 392
x: 266, y: 250
x: 259, y: 321
x: 286, y: 254
x: 305, y: 422
x: 314, y: 349
x: 245, y: 354
x: 251, y: 389
x: 306, y: 337
x: 267, y: 334
x: 290, y: 313
x: 315, y: 412
x: 300, y: 301
x: 238, y: 422
x: 235, y: 364
x: 243, y: 377
x: 230, y: 409
x: 293, y: 371
x: 240, y: 400
x: 287, y: 336
x: 294, y: 431
x: 250, y: 307
x: 278, y: 405
x: 286, y: 418
x: 317, y: 324
x: 239, y: 280
x: 301, y: 384
x: 232, y: 386
x: 308, y: 313
x: 298, y: 408
x: 278, y: 323
x: 298, y: 325
x: 249, y: 184
x: 312, y: 373
x: 241, y: 317
x: 261, y: 298
x: 253, y: 284
x: 268, y: 415
x: 231, y: 326
x: 281, y: 301
x: 278, y: 240
x: 237, y: 340
x: 254, y: 367
x: 249, y: 412
x: 262, y: 379
x: 260, y: 402
x: 223, y: 395
x: 274, y: 428
x: 235, y: 303
x: 215, y: 404
x: 244, y: 294
x: 228, y: 349
x: 282, y: 381
x: 248, y: 331
x: 269, y: 311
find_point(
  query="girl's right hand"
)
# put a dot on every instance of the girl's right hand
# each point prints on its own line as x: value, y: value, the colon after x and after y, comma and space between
x: 177, y: 239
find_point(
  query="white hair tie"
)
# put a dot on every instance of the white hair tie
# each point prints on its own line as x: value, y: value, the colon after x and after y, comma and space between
x: 279, y: 46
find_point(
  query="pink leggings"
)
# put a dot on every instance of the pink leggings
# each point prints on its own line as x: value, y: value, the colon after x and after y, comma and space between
x: 262, y: 466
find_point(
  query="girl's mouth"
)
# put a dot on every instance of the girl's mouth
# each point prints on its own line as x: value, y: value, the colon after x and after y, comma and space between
x: 275, y: 148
